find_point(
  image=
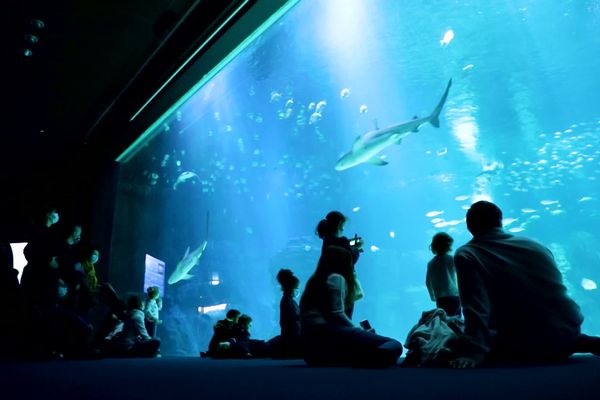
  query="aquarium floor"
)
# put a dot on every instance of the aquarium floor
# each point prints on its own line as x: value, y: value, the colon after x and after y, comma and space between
x: 196, y: 378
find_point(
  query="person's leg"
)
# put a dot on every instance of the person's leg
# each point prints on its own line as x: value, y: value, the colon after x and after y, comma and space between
x: 367, y: 349
x: 151, y: 328
x: 588, y: 344
x: 147, y: 348
x: 450, y: 304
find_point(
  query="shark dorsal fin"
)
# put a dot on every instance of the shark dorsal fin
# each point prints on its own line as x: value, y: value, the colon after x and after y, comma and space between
x: 187, y: 252
x: 415, y: 117
x: 357, y: 144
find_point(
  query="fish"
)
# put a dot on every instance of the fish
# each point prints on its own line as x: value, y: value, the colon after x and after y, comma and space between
x: 548, y: 202
x: 448, y: 36
x: 188, y: 262
x: 433, y: 213
x: 366, y: 147
x: 184, y: 177
x: 508, y: 221
x: 588, y: 284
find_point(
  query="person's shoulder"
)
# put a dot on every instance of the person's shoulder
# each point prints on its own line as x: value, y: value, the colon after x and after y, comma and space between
x: 462, y: 249
x: 447, y: 258
x: 467, y: 250
x: 526, y: 242
x: 136, y: 314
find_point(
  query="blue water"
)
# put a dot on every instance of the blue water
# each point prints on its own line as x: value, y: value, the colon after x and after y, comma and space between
x: 521, y: 127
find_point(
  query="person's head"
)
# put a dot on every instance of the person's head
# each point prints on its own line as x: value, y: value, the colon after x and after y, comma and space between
x: 441, y: 243
x: 91, y: 254
x: 50, y: 215
x: 73, y: 234
x: 233, y: 315
x: 332, y: 225
x: 153, y: 292
x: 53, y: 262
x: 483, y: 217
x: 63, y: 290
x: 135, y: 303
x: 245, y: 322
x: 288, y: 281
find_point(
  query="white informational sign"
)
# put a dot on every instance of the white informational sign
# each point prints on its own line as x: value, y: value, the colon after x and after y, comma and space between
x: 154, y: 274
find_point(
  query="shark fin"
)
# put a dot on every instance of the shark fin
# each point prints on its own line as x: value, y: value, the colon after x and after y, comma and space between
x: 358, y: 144
x: 415, y: 117
x: 415, y: 130
x: 187, y: 276
x: 375, y: 125
x: 187, y: 252
x: 377, y: 161
x: 434, y: 118
x: 398, y: 140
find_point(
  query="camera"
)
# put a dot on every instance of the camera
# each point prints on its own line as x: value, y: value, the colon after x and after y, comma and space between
x: 365, y: 325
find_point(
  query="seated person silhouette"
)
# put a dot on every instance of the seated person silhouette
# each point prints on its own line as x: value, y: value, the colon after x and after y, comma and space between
x: 515, y: 305
x: 287, y: 344
x: 329, y: 336
x: 223, y: 332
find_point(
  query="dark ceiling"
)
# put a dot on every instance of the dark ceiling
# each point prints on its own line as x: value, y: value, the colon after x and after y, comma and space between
x: 74, y: 69
x: 87, y: 58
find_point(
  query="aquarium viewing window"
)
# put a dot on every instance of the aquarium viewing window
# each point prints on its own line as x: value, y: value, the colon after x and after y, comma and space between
x: 400, y: 115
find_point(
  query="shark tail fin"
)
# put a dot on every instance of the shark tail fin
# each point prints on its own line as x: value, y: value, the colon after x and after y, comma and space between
x: 434, y: 118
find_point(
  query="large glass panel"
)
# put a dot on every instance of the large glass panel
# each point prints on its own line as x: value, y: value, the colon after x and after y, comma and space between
x: 248, y: 163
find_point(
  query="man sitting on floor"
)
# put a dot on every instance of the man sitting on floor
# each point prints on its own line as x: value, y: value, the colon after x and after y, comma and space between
x: 515, y: 305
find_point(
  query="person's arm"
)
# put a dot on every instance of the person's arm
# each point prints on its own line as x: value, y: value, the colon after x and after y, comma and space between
x: 428, y: 282
x: 475, y: 303
x: 336, y: 287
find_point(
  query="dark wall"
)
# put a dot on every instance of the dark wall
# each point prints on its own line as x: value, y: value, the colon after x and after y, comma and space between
x: 78, y: 182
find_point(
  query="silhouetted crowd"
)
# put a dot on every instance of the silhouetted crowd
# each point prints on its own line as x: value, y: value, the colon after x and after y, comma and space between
x: 60, y: 309
x: 508, y: 289
x: 499, y: 299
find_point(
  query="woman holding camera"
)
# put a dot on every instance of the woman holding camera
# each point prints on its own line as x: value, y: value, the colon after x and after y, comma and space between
x: 329, y: 336
x: 330, y: 231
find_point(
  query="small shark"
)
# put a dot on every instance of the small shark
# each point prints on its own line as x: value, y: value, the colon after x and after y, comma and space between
x: 184, y: 177
x: 366, y: 147
x: 188, y: 262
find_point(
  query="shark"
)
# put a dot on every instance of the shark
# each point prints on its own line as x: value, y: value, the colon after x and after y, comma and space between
x: 188, y: 262
x: 366, y: 147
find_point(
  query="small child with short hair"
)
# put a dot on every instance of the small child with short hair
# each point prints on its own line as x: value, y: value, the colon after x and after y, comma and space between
x: 441, y: 275
x: 133, y: 340
x: 152, y: 306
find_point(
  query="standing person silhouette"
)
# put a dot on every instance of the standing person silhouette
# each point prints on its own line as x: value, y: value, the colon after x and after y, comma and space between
x: 441, y: 275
